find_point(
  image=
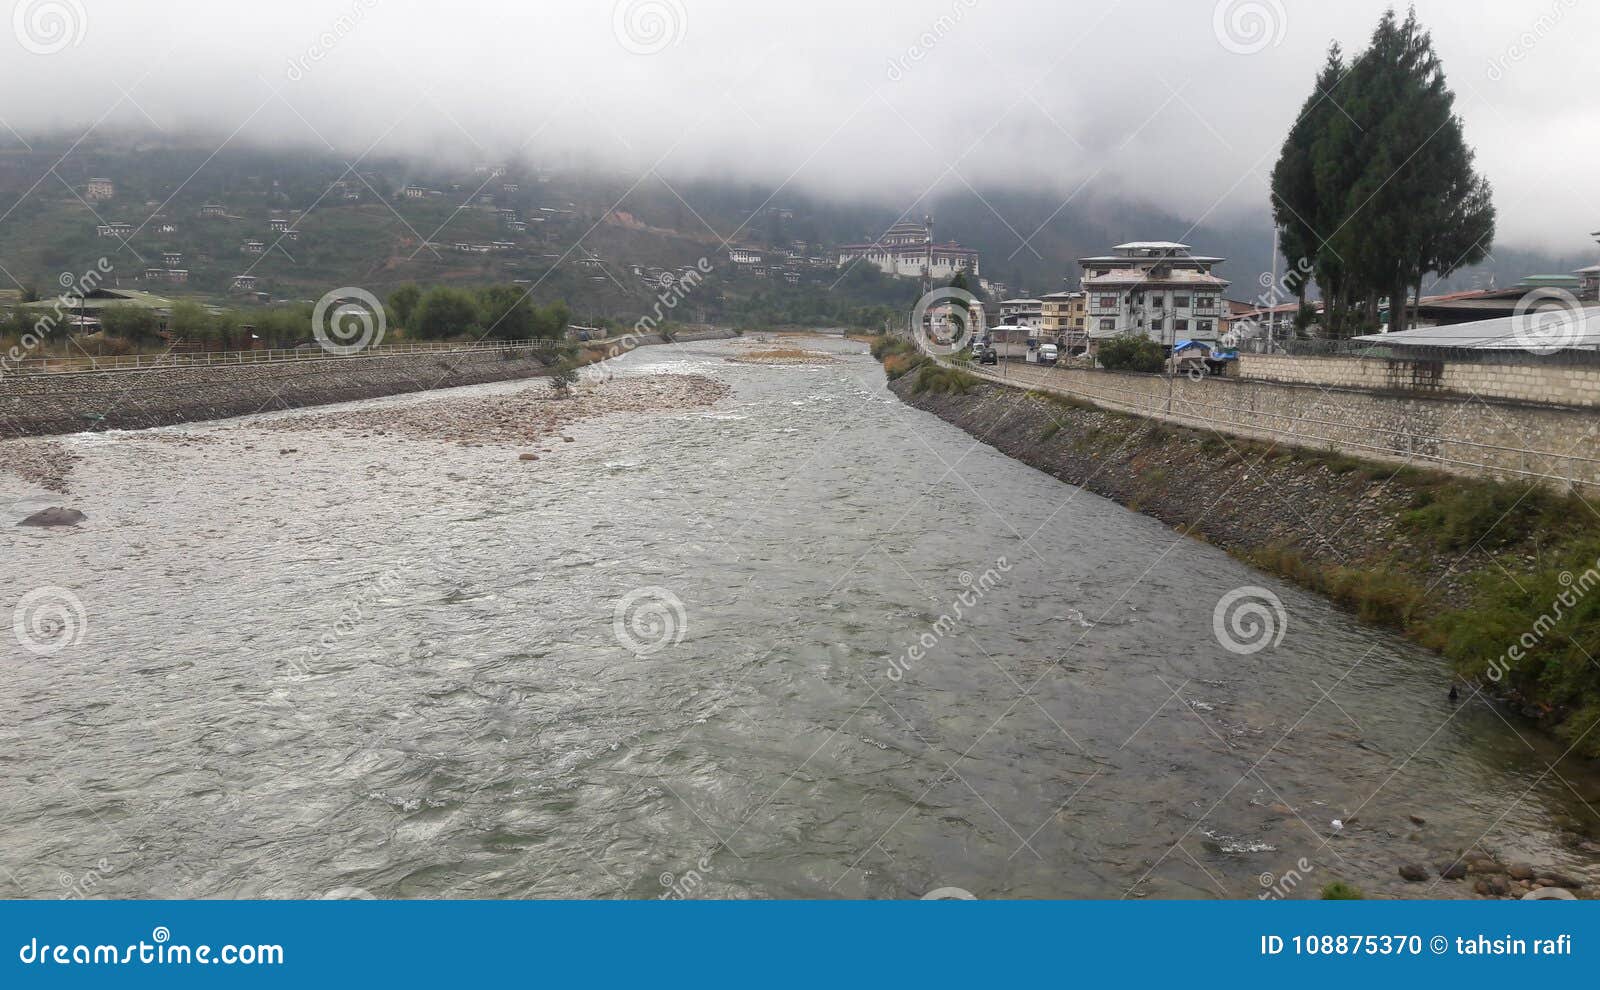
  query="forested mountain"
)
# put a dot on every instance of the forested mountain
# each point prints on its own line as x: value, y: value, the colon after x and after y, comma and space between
x: 575, y: 234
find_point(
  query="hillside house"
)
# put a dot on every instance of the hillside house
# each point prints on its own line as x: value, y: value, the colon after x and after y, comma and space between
x: 100, y: 189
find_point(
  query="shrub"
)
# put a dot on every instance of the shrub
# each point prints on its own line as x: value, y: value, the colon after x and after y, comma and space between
x: 563, y: 378
x: 943, y: 381
x: 1132, y: 352
x: 1341, y: 891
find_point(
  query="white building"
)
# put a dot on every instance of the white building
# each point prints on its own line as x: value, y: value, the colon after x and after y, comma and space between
x: 1021, y: 312
x: 1155, y: 288
x: 744, y: 256
x: 909, y: 249
x: 100, y: 189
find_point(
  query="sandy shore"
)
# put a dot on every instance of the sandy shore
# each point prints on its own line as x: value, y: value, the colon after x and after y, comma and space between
x: 529, y: 415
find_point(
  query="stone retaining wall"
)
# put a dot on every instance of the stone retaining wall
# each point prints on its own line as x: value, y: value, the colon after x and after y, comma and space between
x: 1506, y: 440
x: 1575, y: 385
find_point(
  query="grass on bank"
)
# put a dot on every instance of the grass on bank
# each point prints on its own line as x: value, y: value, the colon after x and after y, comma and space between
x: 1528, y: 623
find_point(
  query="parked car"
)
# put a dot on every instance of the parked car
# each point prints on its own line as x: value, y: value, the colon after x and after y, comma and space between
x: 1048, y: 354
x: 989, y: 356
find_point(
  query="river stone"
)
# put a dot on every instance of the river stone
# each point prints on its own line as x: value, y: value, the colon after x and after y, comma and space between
x: 1452, y: 870
x: 1520, y: 871
x: 528, y: 457
x: 54, y: 516
x: 1556, y: 879
x: 1492, y: 886
x: 1414, y: 872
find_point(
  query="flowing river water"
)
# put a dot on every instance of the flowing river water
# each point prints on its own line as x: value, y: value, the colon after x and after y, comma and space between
x: 395, y: 667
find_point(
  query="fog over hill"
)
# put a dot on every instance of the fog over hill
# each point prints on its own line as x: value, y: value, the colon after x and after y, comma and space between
x: 1034, y: 146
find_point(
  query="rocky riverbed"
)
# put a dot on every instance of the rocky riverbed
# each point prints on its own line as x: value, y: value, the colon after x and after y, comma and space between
x: 46, y: 463
x: 530, y: 415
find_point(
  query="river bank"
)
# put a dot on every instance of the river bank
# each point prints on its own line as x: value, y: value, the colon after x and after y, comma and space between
x: 55, y: 404
x: 1496, y: 576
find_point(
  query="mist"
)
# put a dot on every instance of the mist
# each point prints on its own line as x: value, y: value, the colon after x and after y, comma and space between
x: 1178, y: 105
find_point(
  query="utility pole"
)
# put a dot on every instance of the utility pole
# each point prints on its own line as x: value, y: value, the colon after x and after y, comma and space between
x: 1271, y: 321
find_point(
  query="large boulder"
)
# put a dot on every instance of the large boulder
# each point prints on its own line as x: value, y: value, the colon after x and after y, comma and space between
x: 54, y: 516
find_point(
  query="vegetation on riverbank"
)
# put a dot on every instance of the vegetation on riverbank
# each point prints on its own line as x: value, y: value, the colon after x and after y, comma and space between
x: 1502, y: 578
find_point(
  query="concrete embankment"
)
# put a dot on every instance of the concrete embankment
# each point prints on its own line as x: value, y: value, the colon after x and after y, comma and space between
x: 1226, y: 491
x: 1471, y: 568
x: 43, y: 405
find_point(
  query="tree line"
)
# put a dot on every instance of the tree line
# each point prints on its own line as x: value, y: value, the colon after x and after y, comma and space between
x: 1375, y: 185
x: 496, y: 312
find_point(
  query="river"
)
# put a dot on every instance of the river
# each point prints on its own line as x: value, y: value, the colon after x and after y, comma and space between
x: 386, y: 667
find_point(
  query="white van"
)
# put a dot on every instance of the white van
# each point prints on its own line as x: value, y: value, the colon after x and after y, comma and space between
x: 1047, y: 354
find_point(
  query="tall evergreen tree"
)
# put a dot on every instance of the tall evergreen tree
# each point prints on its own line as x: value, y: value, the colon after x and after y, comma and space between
x: 1378, y: 174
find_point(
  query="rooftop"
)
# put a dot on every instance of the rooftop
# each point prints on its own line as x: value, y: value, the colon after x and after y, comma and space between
x: 1141, y: 276
x: 1560, y: 330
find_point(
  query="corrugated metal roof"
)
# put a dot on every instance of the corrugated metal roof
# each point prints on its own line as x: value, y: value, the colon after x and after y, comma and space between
x: 1544, y: 330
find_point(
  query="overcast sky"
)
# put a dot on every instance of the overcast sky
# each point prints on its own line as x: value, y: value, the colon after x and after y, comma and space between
x: 1179, y: 102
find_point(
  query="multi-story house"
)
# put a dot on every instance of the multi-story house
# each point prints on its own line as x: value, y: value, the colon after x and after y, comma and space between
x: 1155, y: 288
x: 1064, y: 317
